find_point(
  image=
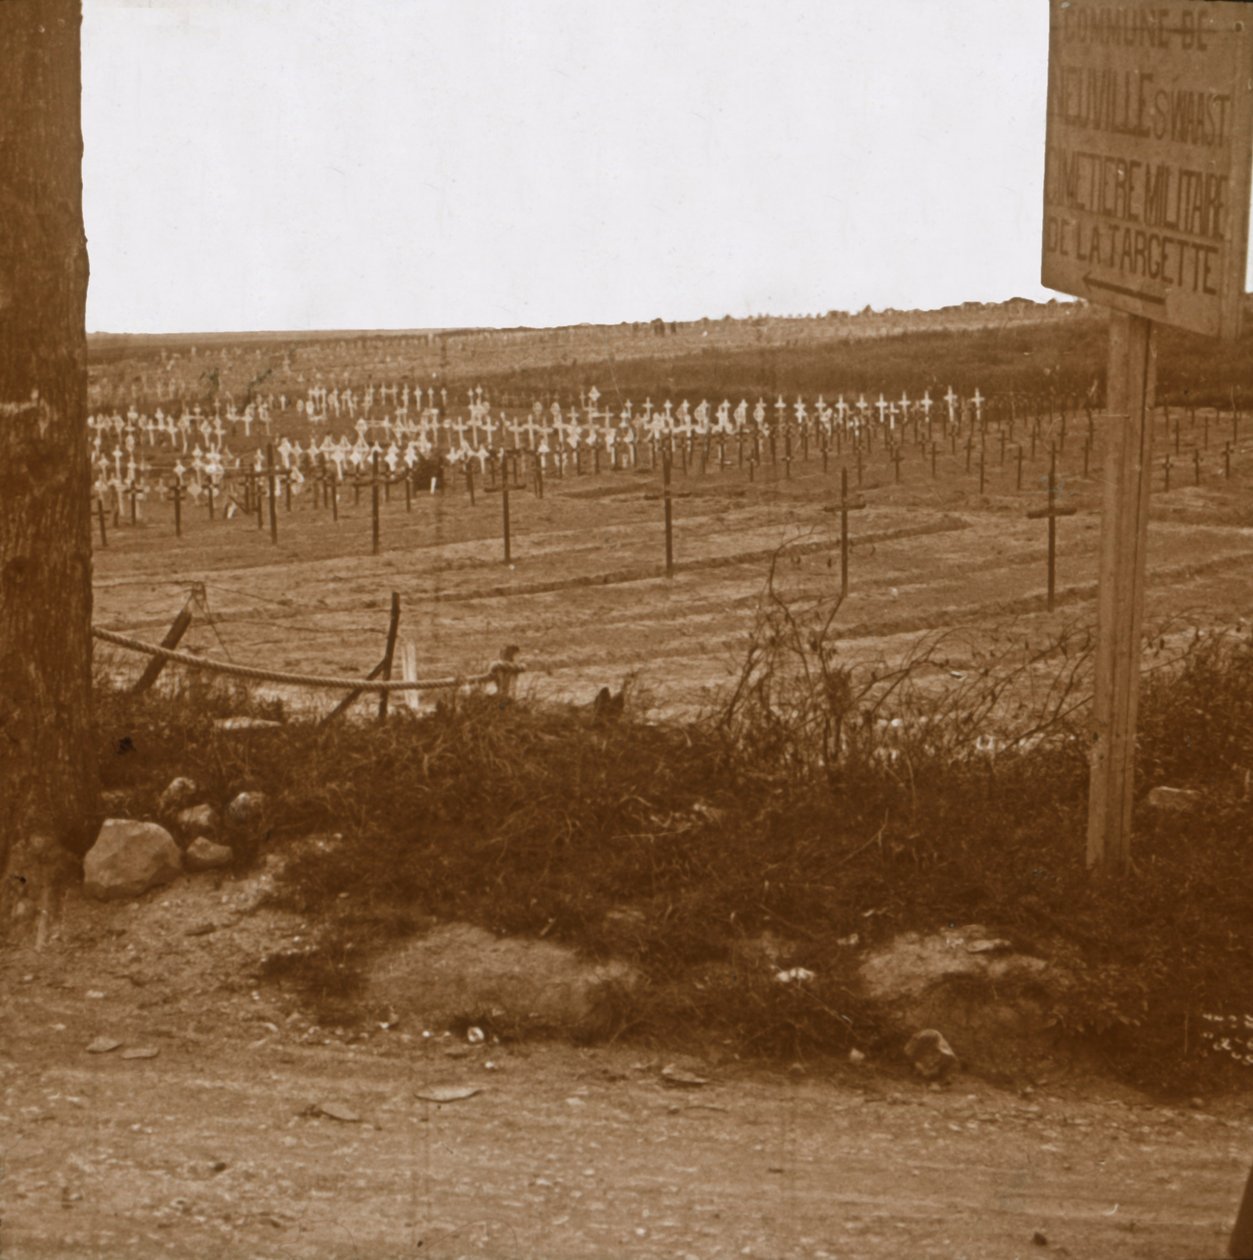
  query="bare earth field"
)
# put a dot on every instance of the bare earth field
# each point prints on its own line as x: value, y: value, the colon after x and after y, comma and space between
x: 586, y: 600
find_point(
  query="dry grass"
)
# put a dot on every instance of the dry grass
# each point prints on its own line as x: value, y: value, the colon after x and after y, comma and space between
x: 797, y: 810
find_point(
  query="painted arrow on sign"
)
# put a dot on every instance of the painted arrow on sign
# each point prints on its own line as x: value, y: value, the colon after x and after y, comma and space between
x: 1095, y: 282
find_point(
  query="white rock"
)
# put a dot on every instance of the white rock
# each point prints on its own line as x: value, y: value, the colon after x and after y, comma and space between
x: 128, y: 858
x: 794, y: 975
x: 204, y: 855
x: 1175, y: 800
x: 197, y: 820
x: 242, y: 725
x: 178, y: 795
x: 247, y: 807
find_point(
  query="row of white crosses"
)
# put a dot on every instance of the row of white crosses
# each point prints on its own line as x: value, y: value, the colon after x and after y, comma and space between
x: 402, y: 438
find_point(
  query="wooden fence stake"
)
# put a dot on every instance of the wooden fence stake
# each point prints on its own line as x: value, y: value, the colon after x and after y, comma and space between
x: 172, y: 636
x: 352, y: 695
x: 104, y: 538
x: 504, y: 508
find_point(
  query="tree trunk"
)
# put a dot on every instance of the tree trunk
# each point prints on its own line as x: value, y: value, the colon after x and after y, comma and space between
x: 47, y: 765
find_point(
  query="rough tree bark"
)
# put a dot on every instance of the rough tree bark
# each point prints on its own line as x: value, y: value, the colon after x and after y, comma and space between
x: 47, y: 776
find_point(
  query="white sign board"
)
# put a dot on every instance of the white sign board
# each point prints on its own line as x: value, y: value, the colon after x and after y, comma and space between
x: 1147, y: 159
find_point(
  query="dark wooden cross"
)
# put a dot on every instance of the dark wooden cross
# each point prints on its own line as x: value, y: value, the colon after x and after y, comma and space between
x: 375, y: 545
x: 1052, y: 512
x: 844, y: 507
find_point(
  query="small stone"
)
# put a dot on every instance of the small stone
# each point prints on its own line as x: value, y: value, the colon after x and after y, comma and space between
x: 243, y: 725
x: 337, y: 1111
x: 673, y: 1076
x: 1039, y: 1239
x: 116, y: 802
x: 128, y: 858
x: 141, y: 1052
x: 856, y: 1056
x: 204, y: 855
x: 931, y: 1055
x: 448, y: 1093
x: 1174, y: 800
x: 197, y: 820
x: 102, y: 1045
x: 178, y: 795
x: 794, y: 975
x: 247, y: 807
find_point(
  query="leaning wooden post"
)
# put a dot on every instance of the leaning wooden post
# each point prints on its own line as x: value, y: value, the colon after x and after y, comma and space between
x: 178, y: 508
x: 172, y: 636
x: 668, y: 510
x: 389, y: 652
x: 353, y: 695
x: 104, y: 538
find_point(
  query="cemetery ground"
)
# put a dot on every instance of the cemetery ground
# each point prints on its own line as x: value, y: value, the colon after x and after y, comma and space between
x: 644, y: 932
x: 703, y: 1107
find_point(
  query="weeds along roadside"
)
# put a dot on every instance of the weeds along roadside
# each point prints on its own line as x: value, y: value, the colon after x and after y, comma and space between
x: 825, y: 799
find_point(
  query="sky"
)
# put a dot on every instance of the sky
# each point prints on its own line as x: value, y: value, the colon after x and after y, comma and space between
x: 303, y: 164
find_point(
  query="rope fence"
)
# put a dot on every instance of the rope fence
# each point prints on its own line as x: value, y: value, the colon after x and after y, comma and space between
x: 502, y: 672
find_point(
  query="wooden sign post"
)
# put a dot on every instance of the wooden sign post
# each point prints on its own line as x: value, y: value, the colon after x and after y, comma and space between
x: 1146, y: 208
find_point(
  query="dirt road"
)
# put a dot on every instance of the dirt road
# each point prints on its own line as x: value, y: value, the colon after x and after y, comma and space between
x: 209, y: 1148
